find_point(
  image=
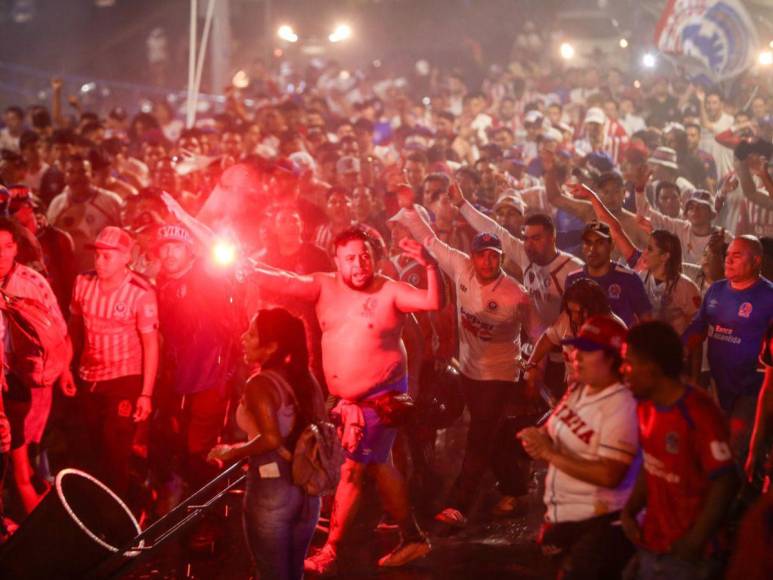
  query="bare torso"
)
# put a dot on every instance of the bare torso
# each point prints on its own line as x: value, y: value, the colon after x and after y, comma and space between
x: 361, y: 330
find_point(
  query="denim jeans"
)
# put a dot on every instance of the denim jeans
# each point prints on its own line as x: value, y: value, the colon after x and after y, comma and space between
x: 653, y: 566
x: 279, y: 520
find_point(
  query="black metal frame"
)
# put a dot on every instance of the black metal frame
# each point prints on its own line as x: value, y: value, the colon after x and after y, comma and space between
x: 161, y: 530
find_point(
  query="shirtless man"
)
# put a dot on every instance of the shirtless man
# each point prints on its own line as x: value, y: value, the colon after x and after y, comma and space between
x: 361, y: 316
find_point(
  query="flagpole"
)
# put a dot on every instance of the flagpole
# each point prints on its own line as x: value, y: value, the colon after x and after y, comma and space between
x: 202, y: 53
x: 189, y: 110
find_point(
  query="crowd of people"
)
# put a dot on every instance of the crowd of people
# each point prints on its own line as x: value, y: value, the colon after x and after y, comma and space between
x: 576, y: 247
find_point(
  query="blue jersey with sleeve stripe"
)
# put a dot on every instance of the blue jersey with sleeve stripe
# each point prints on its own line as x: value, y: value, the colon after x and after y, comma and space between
x: 735, y: 322
x: 623, y: 288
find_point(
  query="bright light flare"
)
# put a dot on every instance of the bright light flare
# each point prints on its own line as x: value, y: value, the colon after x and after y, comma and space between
x: 286, y: 33
x: 241, y: 80
x: 765, y: 58
x: 566, y: 50
x: 623, y: 43
x: 224, y: 253
x: 342, y: 32
x: 649, y: 60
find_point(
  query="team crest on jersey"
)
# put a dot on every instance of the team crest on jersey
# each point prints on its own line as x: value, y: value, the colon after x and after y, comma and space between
x: 672, y: 443
x: 492, y: 305
x: 614, y: 291
x: 463, y: 288
x: 745, y: 310
x: 120, y: 310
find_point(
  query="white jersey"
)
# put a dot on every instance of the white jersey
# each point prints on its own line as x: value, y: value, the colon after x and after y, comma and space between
x: 693, y: 244
x: 678, y: 307
x: 592, y: 426
x: 545, y: 284
x: 490, y: 316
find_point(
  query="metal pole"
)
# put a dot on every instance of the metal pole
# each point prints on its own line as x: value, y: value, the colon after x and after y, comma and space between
x: 189, y: 116
x: 221, y: 47
x: 201, y: 56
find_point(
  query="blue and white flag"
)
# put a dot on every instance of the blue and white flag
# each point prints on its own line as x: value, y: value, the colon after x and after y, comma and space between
x: 713, y: 37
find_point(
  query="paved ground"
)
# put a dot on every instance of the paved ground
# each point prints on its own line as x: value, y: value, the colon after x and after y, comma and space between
x: 488, y: 548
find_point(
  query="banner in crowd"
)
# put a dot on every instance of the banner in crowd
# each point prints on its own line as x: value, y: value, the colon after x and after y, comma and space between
x: 712, y: 37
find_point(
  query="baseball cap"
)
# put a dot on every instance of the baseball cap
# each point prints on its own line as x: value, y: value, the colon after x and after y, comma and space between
x: 702, y: 197
x: 599, y: 333
x: 510, y: 199
x: 595, y: 115
x: 302, y: 163
x: 552, y: 134
x: 513, y: 155
x: 112, y: 238
x: 173, y: 233
x: 486, y: 241
x: 600, y: 161
x: 532, y: 117
x: 598, y: 228
x: 347, y: 164
x: 609, y: 176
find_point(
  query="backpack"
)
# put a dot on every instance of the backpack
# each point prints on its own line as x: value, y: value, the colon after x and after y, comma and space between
x: 317, y: 455
x: 317, y: 459
x: 36, y: 336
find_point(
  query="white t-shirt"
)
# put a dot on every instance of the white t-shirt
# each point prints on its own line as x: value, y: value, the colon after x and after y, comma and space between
x: 693, y: 245
x: 723, y: 156
x: 545, y: 285
x: 681, y: 305
x: 592, y: 426
x: 490, y: 316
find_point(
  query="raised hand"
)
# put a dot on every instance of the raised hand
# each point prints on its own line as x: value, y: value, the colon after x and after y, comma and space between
x: 414, y: 250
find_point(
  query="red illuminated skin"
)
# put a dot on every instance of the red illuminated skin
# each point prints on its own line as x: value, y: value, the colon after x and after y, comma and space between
x: 361, y: 315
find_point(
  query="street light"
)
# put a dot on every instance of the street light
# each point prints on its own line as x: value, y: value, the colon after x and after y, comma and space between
x: 623, y: 43
x: 649, y: 60
x: 341, y: 32
x: 765, y: 58
x: 567, y: 51
x: 286, y: 33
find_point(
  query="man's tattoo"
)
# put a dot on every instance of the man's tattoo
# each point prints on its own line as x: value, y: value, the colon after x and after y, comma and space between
x: 369, y: 307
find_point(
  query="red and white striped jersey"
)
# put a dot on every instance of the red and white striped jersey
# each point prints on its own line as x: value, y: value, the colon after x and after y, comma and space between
x: 755, y: 219
x: 113, y: 322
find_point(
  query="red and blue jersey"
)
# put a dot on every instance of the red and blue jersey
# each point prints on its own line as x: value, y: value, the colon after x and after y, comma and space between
x: 685, y: 446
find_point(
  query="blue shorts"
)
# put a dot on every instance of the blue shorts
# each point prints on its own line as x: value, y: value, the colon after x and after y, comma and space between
x: 377, y: 439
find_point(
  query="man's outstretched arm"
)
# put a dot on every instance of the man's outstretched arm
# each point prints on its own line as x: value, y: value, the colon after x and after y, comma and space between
x: 278, y: 281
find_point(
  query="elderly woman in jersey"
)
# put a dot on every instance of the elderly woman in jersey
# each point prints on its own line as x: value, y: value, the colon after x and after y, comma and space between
x: 280, y: 400
x: 591, y: 444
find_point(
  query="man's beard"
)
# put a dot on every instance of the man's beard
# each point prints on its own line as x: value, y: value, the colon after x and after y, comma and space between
x: 350, y: 282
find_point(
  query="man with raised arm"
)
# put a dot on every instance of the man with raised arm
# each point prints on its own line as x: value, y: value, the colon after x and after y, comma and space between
x: 361, y: 316
x: 492, y: 309
x: 544, y: 266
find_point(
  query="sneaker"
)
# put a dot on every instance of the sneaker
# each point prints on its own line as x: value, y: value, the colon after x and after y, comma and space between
x: 505, y: 506
x: 406, y: 552
x: 452, y: 517
x: 323, y: 563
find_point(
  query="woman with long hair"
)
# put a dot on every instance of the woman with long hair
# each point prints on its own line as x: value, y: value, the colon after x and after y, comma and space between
x: 280, y: 400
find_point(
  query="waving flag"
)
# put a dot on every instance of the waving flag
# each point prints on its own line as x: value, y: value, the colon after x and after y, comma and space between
x: 713, y: 37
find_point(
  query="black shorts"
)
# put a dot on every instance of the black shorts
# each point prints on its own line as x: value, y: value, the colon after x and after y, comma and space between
x: 27, y: 409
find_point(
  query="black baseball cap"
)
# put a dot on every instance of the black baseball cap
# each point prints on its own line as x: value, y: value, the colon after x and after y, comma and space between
x: 486, y: 241
x: 598, y: 228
